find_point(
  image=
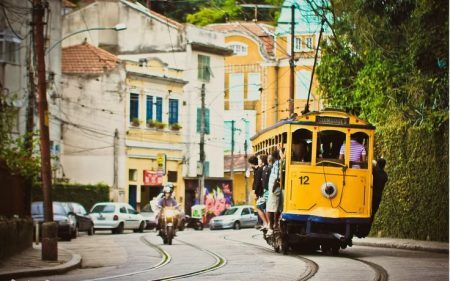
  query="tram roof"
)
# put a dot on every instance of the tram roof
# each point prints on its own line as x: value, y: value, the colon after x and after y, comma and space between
x: 327, y: 117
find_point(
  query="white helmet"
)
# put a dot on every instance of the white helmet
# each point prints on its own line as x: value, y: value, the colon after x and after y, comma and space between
x: 168, y: 188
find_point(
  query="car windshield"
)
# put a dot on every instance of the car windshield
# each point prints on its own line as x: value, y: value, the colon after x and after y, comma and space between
x: 230, y: 211
x: 147, y: 208
x: 103, y: 209
x: 38, y: 209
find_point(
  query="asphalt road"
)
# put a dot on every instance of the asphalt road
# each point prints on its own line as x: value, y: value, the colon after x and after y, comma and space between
x: 238, y: 255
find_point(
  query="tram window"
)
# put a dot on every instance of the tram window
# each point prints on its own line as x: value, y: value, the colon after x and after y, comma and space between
x: 301, y: 146
x: 358, y: 150
x: 329, y: 143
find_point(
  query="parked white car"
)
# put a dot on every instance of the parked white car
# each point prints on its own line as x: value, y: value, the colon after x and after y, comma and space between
x: 116, y: 217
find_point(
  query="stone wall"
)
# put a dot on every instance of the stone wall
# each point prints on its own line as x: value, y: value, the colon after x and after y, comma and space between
x: 16, y: 234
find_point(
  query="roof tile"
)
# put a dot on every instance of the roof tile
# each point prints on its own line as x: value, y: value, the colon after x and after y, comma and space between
x: 87, y: 59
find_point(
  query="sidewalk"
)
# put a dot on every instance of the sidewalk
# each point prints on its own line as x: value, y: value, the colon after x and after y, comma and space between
x: 407, y: 244
x: 29, y: 263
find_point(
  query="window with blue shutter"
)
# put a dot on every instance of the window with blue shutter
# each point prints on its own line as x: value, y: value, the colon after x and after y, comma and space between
x: 173, y: 111
x: 149, y: 115
x: 204, y: 70
x: 206, y: 168
x: 134, y: 106
x: 159, y: 109
x: 199, y: 111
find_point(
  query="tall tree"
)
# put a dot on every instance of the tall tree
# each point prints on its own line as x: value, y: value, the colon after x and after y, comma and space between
x: 388, y: 56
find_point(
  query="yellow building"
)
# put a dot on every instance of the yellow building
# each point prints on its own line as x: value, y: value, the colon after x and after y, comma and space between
x: 154, y: 145
x: 257, y: 77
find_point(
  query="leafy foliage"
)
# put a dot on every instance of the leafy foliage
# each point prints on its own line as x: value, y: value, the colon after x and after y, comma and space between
x: 201, y: 13
x: 14, y: 150
x: 388, y: 63
x: 85, y: 194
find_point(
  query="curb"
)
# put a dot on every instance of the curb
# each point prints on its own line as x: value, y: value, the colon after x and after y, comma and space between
x: 73, y: 263
x: 403, y: 247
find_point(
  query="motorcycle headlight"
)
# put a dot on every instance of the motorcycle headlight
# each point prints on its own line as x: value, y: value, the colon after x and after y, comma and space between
x: 169, y: 213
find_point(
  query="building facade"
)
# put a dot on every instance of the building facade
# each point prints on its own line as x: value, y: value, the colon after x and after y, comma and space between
x: 166, y: 65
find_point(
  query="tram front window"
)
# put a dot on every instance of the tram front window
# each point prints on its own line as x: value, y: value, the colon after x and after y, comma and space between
x: 329, y: 143
x: 301, y: 147
x: 358, y: 150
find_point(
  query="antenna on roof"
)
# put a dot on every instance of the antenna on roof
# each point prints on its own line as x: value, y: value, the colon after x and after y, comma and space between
x: 256, y: 6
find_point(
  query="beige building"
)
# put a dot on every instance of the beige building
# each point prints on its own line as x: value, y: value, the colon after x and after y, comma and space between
x: 92, y: 117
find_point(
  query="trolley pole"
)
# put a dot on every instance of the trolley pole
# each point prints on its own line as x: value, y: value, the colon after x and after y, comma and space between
x: 202, y: 146
x: 49, y: 227
x: 292, y: 64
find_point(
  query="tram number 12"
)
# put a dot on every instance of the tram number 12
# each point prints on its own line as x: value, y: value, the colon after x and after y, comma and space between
x: 304, y: 180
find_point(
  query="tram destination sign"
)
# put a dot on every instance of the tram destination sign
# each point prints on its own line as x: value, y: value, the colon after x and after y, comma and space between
x: 329, y: 120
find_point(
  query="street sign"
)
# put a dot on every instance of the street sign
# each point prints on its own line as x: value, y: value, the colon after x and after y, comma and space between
x: 199, y: 169
x: 161, y: 161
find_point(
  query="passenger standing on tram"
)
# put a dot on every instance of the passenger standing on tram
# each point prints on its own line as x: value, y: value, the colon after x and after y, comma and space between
x: 274, y: 192
x: 380, y: 178
x: 265, y: 180
x: 357, y: 151
x: 257, y: 185
x: 259, y: 189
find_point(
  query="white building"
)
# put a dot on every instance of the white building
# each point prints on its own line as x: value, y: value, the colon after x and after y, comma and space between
x: 196, y: 53
x: 92, y: 117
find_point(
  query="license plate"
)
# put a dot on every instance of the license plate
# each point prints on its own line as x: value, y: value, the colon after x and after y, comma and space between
x: 101, y: 218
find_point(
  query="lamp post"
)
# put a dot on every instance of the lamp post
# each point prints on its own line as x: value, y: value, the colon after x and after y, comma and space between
x: 118, y: 27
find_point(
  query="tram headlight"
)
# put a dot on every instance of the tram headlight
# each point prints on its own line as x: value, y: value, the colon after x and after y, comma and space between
x: 328, y: 190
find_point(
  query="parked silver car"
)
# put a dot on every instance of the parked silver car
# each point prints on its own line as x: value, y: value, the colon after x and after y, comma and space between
x: 235, y: 217
x: 116, y: 217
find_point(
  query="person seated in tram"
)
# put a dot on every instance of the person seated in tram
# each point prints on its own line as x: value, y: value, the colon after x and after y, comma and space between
x: 299, y: 151
x: 357, y: 151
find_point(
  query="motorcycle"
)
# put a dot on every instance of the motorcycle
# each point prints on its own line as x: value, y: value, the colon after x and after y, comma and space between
x: 168, y: 224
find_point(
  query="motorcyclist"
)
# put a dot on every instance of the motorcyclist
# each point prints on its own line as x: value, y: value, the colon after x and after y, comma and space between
x: 167, y: 201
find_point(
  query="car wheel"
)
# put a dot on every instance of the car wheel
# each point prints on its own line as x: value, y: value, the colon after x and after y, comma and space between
x: 119, y: 229
x: 91, y: 230
x: 237, y: 225
x: 182, y: 225
x: 75, y: 232
x: 141, y: 227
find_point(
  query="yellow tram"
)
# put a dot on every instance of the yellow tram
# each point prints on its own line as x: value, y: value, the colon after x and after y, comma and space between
x: 327, y: 197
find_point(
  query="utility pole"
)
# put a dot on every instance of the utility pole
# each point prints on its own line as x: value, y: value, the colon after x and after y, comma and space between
x: 30, y: 121
x: 49, y: 227
x: 116, y: 163
x: 246, y: 167
x: 232, y: 151
x: 292, y: 64
x: 202, y: 146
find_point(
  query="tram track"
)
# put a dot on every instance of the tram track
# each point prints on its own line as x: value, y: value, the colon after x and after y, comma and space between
x: 312, y: 267
x: 380, y: 273
x: 166, y: 258
x: 219, y: 262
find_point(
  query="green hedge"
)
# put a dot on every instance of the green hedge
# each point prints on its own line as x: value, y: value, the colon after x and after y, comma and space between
x: 415, y: 199
x: 86, y: 195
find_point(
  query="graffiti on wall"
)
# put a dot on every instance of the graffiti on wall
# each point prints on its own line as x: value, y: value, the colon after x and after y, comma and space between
x: 217, y: 198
